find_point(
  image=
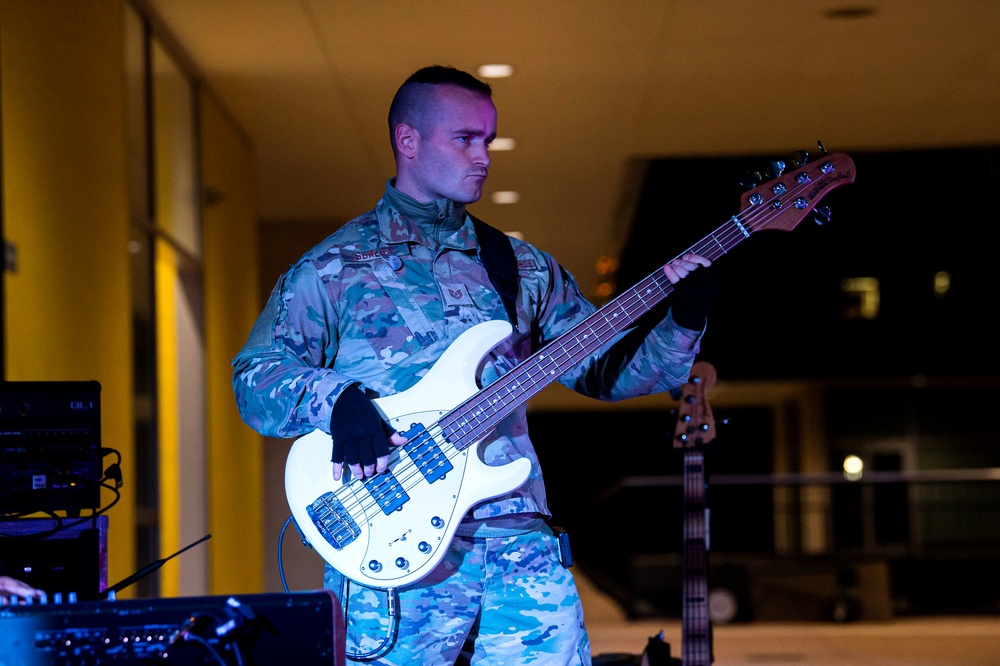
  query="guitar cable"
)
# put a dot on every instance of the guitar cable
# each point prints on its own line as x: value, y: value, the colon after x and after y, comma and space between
x: 281, y: 566
x: 392, y: 600
x: 392, y: 632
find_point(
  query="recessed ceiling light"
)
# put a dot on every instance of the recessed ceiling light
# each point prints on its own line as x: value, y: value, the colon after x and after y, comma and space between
x: 503, y: 143
x: 505, y: 197
x: 852, y: 12
x: 495, y: 71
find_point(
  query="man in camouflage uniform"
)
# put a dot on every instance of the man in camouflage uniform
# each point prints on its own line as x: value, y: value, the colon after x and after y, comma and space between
x: 369, y: 310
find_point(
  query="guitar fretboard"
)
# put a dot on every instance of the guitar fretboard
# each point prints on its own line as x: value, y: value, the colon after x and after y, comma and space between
x: 778, y: 204
x: 696, y: 641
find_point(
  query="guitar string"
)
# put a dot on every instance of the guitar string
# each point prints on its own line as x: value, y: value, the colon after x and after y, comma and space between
x: 733, y: 234
x: 694, y: 615
x: 727, y: 237
x: 735, y: 230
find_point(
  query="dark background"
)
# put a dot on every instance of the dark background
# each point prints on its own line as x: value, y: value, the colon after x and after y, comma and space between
x: 779, y: 310
x: 923, y: 371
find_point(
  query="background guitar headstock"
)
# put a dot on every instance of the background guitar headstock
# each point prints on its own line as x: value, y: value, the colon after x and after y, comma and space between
x: 695, y: 423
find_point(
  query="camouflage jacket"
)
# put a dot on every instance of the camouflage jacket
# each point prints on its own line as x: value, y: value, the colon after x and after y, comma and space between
x: 379, y: 301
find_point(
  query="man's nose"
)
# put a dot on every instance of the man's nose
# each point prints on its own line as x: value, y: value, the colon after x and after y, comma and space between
x: 481, y: 155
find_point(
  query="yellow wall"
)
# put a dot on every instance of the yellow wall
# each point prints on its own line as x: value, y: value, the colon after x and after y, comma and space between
x: 235, y: 456
x: 168, y: 414
x: 68, y: 305
x: 65, y: 209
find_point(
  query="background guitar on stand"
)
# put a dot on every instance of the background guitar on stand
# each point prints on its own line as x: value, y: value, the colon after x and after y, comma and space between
x: 695, y: 429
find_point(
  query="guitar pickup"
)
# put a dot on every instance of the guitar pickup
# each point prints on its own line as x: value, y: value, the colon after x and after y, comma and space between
x: 332, y: 520
x: 425, y: 453
x: 386, y: 492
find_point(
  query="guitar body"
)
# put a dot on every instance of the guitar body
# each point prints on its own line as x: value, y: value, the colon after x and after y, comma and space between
x: 393, y: 530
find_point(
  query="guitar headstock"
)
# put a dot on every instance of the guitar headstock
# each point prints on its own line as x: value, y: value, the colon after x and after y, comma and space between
x: 783, y: 201
x: 695, y: 423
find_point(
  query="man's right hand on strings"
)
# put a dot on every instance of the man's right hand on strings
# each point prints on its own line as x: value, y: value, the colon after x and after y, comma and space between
x: 361, y: 437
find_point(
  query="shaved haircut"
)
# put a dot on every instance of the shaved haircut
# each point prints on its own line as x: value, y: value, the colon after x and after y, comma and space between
x: 416, y: 96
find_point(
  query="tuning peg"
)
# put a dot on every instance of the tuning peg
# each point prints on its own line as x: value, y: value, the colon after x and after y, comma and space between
x: 776, y: 168
x: 751, y: 179
x: 822, y: 150
x: 822, y: 215
x: 800, y: 158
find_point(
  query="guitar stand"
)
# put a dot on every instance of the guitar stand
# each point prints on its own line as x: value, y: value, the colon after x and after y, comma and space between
x: 657, y: 653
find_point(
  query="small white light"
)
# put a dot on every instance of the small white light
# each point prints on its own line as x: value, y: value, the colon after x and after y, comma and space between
x: 853, y: 468
x: 503, y: 143
x: 505, y: 197
x: 495, y: 71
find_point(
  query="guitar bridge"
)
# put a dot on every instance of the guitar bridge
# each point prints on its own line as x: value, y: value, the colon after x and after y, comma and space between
x: 332, y: 520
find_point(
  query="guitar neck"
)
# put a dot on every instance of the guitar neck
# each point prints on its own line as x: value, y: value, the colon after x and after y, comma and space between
x: 470, y: 421
x: 778, y: 204
x: 695, y: 429
x: 696, y: 642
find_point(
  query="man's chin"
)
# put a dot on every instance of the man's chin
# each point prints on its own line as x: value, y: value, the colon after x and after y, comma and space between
x: 468, y: 198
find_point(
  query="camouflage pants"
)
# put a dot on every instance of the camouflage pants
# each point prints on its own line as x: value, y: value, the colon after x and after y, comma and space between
x: 502, y: 600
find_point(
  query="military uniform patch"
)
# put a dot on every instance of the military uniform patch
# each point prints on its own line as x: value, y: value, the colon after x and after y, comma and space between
x: 390, y: 254
x: 455, y: 294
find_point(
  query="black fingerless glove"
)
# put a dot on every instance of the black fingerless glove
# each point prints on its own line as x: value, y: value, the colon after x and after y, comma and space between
x: 360, y: 434
x: 693, y: 296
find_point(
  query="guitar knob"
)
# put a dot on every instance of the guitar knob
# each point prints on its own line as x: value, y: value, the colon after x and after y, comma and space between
x: 437, y: 522
x: 375, y: 566
x: 401, y: 563
x: 424, y: 547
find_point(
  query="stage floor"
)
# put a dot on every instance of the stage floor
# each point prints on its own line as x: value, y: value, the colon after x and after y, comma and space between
x: 936, y: 641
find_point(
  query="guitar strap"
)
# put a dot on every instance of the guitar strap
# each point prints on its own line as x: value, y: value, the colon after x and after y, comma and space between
x: 498, y: 258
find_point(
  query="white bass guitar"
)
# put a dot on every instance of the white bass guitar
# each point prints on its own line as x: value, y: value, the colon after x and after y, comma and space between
x: 392, y: 529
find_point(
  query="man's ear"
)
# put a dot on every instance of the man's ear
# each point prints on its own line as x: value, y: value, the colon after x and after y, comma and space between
x: 407, y: 138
